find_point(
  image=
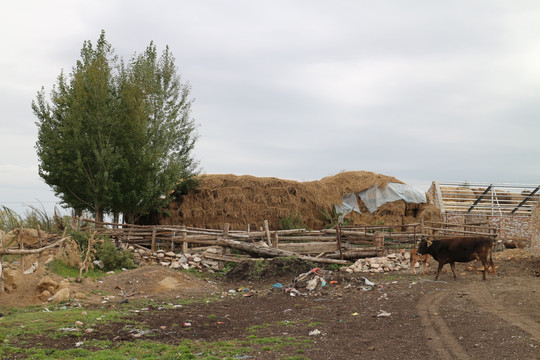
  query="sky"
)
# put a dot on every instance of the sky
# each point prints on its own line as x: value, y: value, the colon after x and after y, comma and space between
x: 300, y: 90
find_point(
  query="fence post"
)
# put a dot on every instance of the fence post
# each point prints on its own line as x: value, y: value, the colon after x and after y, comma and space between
x: 378, y: 243
x: 184, y: 242
x: 21, y: 246
x: 225, y: 235
x: 1, y: 265
x: 276, y: 240
x: 153, y: 245
x: 267, y: 231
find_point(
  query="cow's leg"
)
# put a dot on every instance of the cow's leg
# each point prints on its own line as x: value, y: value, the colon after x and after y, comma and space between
x: 485, y: 263
x: 413, y: 264
x: 453, y: 267
x: 441, y: 264
x: 424, y: 271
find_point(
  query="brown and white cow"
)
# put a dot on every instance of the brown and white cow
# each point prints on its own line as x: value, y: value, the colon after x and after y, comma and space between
x: 421, y: 259
x: 459, y: 249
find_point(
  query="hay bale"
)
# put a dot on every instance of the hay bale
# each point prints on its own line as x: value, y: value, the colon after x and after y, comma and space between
x: 243, y: 200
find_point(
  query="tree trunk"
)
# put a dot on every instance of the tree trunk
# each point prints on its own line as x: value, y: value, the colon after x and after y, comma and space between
x: 273, y: 252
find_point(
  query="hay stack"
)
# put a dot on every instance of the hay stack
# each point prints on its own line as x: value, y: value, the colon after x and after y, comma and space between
x: 243, y: 200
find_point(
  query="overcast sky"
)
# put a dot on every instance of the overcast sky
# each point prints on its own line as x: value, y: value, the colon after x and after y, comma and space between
x: 300, y: 90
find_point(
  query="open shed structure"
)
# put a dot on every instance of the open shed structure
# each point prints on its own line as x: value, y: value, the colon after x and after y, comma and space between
x: 508, y: 207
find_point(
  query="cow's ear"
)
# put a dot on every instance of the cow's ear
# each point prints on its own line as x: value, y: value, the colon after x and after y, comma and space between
x: 429, y: 243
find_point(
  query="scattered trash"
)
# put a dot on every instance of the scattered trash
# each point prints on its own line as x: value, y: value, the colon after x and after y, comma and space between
x: 32, y: 269
x: 383, y: 313
x: 355, y: 314
x: 186, y: 324
x: 78, y: 344
x: 368, y: 282
x: 79, y: 323
x: 315, y: 332
x: 278, y: 286
x: 333, y: 282
x: 68, y: 329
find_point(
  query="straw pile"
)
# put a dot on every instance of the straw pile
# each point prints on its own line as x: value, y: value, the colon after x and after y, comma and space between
x: 243, y: 200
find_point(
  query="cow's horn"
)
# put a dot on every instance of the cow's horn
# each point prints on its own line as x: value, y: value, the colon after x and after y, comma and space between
x: 429, y: 243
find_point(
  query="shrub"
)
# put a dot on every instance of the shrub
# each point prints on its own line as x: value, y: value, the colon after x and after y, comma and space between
x: 293, y: 221
x: 112, y: 257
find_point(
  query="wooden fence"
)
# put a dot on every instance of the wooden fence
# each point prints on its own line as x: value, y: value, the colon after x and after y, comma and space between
x: 337, y: 245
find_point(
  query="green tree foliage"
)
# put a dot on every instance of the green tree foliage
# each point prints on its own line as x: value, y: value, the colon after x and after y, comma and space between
x: 116, y: 138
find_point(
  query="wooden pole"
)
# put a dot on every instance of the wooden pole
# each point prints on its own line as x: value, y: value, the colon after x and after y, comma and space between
x: 153, y: 245
x: 271, y: 252
x: 184, y: 243
x: 221, y: 264
x: 21, y: 247
x: 267, y: 232
x: 1, y: 266
x: 338, y: 237
x: 275, y: 242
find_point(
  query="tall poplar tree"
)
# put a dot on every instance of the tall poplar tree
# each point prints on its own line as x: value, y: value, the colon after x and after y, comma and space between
x: 157, y: 109
x: 116, y: 138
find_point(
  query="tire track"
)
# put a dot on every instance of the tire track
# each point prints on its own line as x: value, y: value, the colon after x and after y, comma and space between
x: 440, y: 337
x: 480, y: 293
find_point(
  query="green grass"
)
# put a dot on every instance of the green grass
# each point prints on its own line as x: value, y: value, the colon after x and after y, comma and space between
x: 19, y: 324
x: 58, y: 267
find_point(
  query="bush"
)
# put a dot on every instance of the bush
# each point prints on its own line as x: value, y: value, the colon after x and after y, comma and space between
x: 112, y: 257
x: 293, y: 221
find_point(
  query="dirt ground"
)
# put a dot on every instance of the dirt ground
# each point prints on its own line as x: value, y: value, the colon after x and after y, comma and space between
x: 400, y: 316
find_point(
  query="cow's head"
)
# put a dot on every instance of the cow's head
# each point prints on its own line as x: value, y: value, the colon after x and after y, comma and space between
x: 423, y: 247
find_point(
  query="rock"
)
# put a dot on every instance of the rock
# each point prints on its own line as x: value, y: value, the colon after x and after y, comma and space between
x: 63, y: 284
x: 165, y: 263
x: 175, y: 265
x: 61, y: 295
x: 170, y: 254
x: 168, y: 283
x: 9, y: 280
x: 160, y: 255
x: 46, y: 283
x: 44, y: 296
x: 182, y: 259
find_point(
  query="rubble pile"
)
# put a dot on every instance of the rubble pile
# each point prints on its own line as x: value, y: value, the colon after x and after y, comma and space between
x: 390, y: 262
x: 56, y: 292
x: 172, y: 260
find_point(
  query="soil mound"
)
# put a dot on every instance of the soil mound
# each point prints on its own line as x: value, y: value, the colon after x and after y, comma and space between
x: 249, y: 200
x: 277, y: 268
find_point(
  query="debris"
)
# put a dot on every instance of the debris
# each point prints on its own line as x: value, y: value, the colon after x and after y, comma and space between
x: 315, y: 332
x: 368, y: 282
x: 383, y: 313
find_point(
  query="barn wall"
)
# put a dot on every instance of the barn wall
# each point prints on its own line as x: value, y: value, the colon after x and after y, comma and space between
x: 510, y: 227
